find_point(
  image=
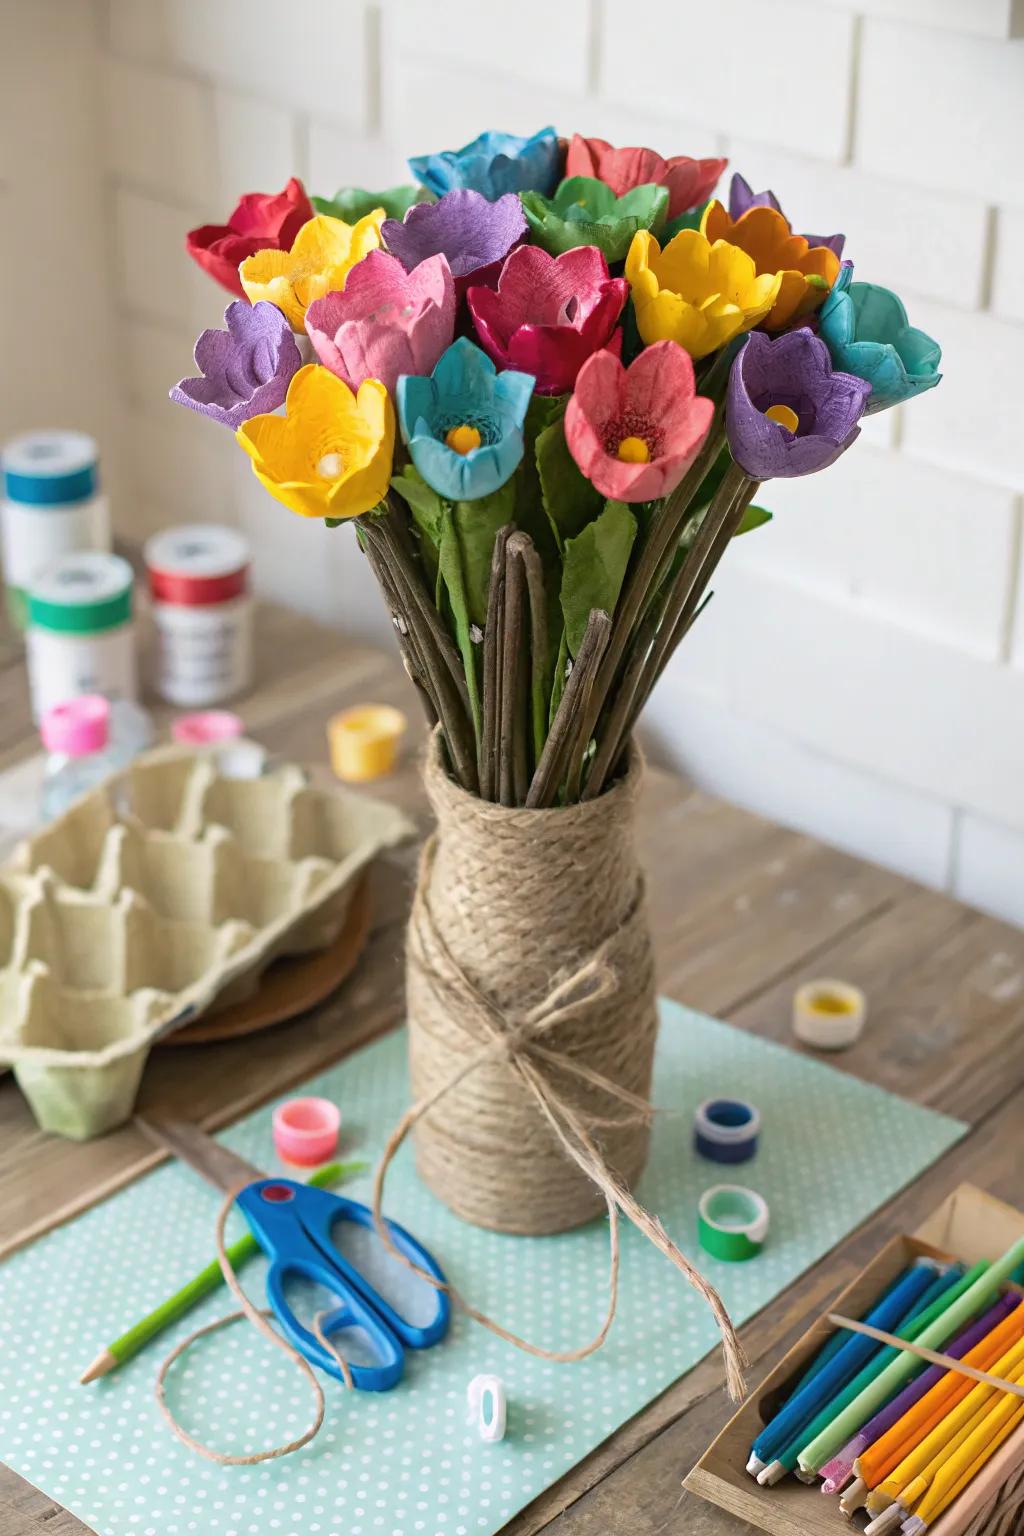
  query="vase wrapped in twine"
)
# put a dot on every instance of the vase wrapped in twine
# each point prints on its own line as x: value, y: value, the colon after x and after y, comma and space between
x: 532, y: 1025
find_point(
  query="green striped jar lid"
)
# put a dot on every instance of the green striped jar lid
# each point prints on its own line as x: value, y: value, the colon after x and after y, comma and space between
x: 82, y: 594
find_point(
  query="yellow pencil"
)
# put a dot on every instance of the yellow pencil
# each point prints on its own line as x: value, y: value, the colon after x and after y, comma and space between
x: 958, y: 1471
x: 1000, y: 1473
x: 953, y: 1428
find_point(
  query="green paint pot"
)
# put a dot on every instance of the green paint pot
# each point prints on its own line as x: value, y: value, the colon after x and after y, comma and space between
x: 732, y: 1222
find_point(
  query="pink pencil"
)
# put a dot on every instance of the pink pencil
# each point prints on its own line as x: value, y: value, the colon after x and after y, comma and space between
x: 970, y: 1512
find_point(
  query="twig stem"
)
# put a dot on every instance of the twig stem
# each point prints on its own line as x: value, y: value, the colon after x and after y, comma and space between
x: 522, y: 545
x: 491, y: 723
x: 567, y: 722
x: 512, y: 743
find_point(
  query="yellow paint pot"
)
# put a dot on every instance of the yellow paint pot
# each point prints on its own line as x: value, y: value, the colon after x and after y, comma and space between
x: 363, y: 741
x: 829, y: 1014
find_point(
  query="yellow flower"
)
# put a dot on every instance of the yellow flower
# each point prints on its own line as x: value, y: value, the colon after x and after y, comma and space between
x: 330, y: 454
x: 698, y: 294
x: 324, y: 252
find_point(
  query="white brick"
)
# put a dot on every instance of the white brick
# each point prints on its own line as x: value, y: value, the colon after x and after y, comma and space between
x: 950, y: 109
x: 338, y: 159
x: 257, y: 148
x: 1008, y: 270
x: 972, y: 420
x: 986, y: 18
x: 669, y: 135
x: 920, y: 714
x: 181, y: 471
x: 897, y: 234
x: 989, y: 867
x: 427, y: 108
x: 534, y: 40
x: 155, y: 277
x: 905, y: 542
x: 137, y: 29
x: 157, y: 357
x: 312, y: 56
x: 1017, y: 638
x: 778, y: 778
x: 159, y: 133
x: 781, y: 72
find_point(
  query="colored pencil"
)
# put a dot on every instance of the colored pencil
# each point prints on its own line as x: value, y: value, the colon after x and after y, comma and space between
x: 857, y: 1412
x: 194, y: 1290
x: 957, y: 1471
x: 976, y: 1500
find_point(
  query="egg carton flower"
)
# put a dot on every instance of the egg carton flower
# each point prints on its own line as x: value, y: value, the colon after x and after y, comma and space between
x: 585, y: 211
x: 698, y: 294
x: 386, y: 321
x: 634, y: 432
x: 354, y: 203
x: 473, y: 234
x: 262, y: 221
x: 320, y: 258
x: 548, y: 314
x: 245, y: 370
x: 689, y: 182
x: 787, y: 411
x: 464, y: 424
x: 742, y: 196
x: 330, y: 454
x: 494, y: 164
x: 866, y: 330
x: 807, y: 272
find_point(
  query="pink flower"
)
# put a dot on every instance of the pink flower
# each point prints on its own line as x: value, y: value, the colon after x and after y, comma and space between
x: 689, y: 182
x: 549, y: 314
x: 387, y: 321
x: 634, y: 432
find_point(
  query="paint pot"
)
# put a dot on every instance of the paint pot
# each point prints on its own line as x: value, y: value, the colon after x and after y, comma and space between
x: 202, y: 613
x: 732, y: 1222
x: 80, y: 636
x: 829, y: 1015
x: 363, y: 741
x: 726, y: 1130
x: 205, y: 727
x: 488, y: 1407
x: 306, y: 1131
x: 52, y: 506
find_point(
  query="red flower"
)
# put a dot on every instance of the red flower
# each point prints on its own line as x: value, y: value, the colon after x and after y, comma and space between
x: 549, y: 313
x: 263, y: 221
x: 689, y: 182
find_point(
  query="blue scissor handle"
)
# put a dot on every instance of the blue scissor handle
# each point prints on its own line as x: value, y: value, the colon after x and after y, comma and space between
x: 292, y: 1224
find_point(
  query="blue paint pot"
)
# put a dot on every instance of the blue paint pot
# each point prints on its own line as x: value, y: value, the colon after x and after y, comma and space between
x: 726, y: 1130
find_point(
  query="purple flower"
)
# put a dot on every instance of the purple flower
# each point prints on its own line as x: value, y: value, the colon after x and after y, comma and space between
x: 474, y: 234
x: 742, y: 196
x: 245, y: 370
x: 787, y: 413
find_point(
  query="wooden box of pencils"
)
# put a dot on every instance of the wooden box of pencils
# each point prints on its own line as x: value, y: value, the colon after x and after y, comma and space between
x: 969, y: 1227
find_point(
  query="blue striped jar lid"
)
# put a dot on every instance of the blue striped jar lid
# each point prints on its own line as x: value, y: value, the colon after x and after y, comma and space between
x: 50, y: 469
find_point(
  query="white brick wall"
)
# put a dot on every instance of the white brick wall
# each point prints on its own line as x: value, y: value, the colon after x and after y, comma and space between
x: 861, y: 671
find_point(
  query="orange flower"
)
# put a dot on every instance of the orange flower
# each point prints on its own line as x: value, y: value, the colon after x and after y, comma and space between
x: 807, y: 271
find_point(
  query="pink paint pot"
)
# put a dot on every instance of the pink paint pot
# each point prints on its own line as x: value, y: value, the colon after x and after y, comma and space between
x: 206, y: 725
x: 306, y: 1131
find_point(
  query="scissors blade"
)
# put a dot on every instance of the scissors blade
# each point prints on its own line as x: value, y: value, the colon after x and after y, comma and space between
x: 216, y: 1163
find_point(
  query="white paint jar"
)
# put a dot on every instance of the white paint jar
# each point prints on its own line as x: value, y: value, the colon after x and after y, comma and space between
x: 202, y: 614
x: 80, y: 636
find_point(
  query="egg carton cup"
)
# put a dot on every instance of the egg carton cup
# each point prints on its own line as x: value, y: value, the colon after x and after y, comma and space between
x: 162, y: 893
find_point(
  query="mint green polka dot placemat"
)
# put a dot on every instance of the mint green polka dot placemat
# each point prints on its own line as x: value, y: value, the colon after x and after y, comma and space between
x: 405, y: 1462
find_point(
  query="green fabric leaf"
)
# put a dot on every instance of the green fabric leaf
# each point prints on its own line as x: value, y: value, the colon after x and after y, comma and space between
x: 594, y: 567
x: 476, y: 525
x: 453, y: 599
x: 352, y: 203
x: 570, y: 501
x: 753, y: 517
x: 426, y: 507
x: 688, y: 220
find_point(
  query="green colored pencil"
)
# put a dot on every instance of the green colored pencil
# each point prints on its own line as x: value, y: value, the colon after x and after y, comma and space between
x: 194, y: 1290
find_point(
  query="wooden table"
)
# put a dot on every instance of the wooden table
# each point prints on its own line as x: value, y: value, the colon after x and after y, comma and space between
x: 743, y: 911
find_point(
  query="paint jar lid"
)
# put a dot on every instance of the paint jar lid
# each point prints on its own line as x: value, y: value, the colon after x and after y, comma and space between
x: 82, y: 593
x: 50, y: 469
x: 78, y: 727
x: 197, y: 564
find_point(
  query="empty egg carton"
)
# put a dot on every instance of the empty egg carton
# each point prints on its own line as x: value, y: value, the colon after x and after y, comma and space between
x: 162, y: 892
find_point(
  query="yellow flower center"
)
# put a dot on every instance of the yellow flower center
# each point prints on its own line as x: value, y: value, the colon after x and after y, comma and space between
x: 784, y: 416
x: 330, y: 466
x: 463, y: 439
x: 633, y: 450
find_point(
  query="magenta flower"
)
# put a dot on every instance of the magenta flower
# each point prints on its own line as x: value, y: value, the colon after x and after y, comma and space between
x: 634, y: 432
x: 549, y: 314
x: 243, y: 371
x: 387, y: 321
x: 472, y: 233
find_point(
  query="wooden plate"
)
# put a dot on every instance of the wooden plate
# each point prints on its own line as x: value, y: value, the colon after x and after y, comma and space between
x: 289, y: 986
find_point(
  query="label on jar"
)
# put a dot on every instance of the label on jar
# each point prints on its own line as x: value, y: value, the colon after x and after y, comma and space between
x: 63, y: 665
x: 203, y: 655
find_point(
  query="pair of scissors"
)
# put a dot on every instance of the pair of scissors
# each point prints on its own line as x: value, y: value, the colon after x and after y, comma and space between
x: 294, y: 1224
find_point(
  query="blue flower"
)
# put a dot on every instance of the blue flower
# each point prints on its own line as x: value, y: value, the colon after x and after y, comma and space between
x: 464, y: 425
x: 494, y: 164
x: 865, y: 329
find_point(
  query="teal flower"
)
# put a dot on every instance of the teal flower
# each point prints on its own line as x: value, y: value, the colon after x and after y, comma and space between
x: 495, y: 163
x: 353, y: 203
x: 464, y: 425
x: 585, y: 211
x: 865, y: 329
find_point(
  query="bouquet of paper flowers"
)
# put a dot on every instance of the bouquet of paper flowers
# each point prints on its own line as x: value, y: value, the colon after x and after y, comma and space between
x: 549, y: 380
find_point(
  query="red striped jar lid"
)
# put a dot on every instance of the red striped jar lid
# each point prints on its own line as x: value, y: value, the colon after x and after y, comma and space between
x: 197, y: 564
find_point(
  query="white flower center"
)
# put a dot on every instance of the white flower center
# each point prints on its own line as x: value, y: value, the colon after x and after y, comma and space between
x: 330, y: 466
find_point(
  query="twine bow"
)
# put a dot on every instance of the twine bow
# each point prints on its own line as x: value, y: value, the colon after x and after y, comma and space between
x: 539, y: 1066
